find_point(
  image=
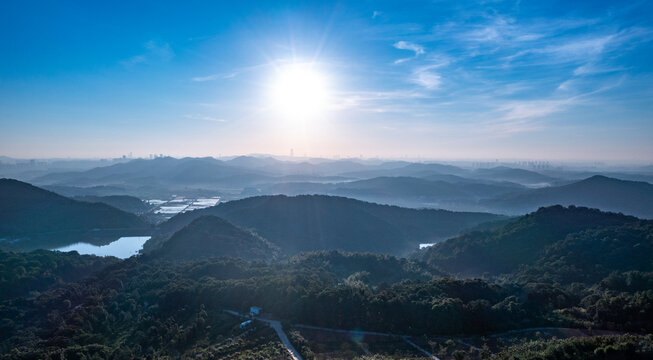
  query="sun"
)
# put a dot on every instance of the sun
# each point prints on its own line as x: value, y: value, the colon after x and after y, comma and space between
x: 299, y: 93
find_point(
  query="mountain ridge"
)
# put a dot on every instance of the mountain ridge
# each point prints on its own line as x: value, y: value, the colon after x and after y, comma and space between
x: 38, y: 216
x: 318, y: 222
x: 608, y: 194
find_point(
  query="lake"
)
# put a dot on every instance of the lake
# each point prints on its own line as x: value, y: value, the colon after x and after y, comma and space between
x: 122, y: 248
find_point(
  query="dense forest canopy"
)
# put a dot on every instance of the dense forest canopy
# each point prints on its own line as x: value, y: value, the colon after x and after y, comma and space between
x: 145, y: 306
x: 538, y: 236
x: 558, y: 267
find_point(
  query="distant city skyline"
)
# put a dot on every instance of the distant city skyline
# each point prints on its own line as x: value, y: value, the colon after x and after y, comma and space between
x: 530, y: 163
x: 448, y: 80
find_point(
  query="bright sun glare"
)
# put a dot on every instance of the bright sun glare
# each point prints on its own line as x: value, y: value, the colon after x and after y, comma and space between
x: 299, y: 93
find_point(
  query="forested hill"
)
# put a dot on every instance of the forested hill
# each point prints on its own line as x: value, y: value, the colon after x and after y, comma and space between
x: 145, y: 308
x: 27, y: 212
x: 211, y: 236
x: 608, y: 194
x: 315, y: 222
x: 24, y: 273
x: 546, y: 232
x: 123, y: 202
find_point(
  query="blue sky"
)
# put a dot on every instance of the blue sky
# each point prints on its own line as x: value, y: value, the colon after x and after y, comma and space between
x: 439, y: 79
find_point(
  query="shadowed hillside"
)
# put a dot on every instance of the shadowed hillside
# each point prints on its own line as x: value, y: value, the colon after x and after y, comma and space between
x: 520, y: 176
x: 41, y: 218
x: 307, y: 223
x: 608, y: 194
x: 126, y: 203
x: 210, y: 236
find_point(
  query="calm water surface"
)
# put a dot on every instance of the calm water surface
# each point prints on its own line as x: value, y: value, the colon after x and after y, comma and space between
x: 121, y: 248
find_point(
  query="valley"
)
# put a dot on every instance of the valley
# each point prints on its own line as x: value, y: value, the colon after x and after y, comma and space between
x: 336, y: 277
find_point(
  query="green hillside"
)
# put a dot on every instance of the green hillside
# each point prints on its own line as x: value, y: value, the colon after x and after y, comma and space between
x: 211, y: 236
x: 523, y: 241
x: 126, y: 203
x: 31, y: 217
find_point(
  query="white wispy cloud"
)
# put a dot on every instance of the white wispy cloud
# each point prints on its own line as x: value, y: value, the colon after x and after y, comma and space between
x: 214, y: 77
x: 529, y: 109
x: 566, y: 85
x: 427, y: 77
x: 591, y: 68
x: 569, y: 50
x: 506, y: 128
x: 511, y: 88
x: 587, y: 48
x: 513, y: 117
x: 373, y: 101
x: 160, y: 50
x: 204, y: 118
x: 152, y: 51
x: 484, y: 77
x: 235, y: 72
x: 505, y: 31
x: 406, y: 45
x: 134, y: 60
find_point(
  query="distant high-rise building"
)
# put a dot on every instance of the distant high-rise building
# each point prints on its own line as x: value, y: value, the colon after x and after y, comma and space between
x: 292, y: 152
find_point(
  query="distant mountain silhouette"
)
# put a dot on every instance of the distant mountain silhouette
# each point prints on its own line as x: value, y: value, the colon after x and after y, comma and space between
x: 433, y: 190
x: 211, y: 236
x: 41, y: 217
x: 274, y: 166
x: 523, y: 241
x: 425, y: 169
x: 307, y: 223
x: 167, y: 176
x: 253, y: 162
x: 520, y: 176
x: 408, y: 169
x: 499, y: 189
x: 164, y: 171
x: 316, y: 167
x: 403, y: 191
x: 126, y: 203
x: 72, y: 191
x: 629, y: 197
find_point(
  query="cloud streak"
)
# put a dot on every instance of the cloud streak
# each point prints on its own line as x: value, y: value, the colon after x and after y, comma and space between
x: 213, y: 77
x: 204, y: 118
x: 426, y: 77
x: 407, y: 45
x: 153, y: 51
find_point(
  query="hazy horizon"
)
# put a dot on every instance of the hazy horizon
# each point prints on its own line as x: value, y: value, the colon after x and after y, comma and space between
x: 473, y: 162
